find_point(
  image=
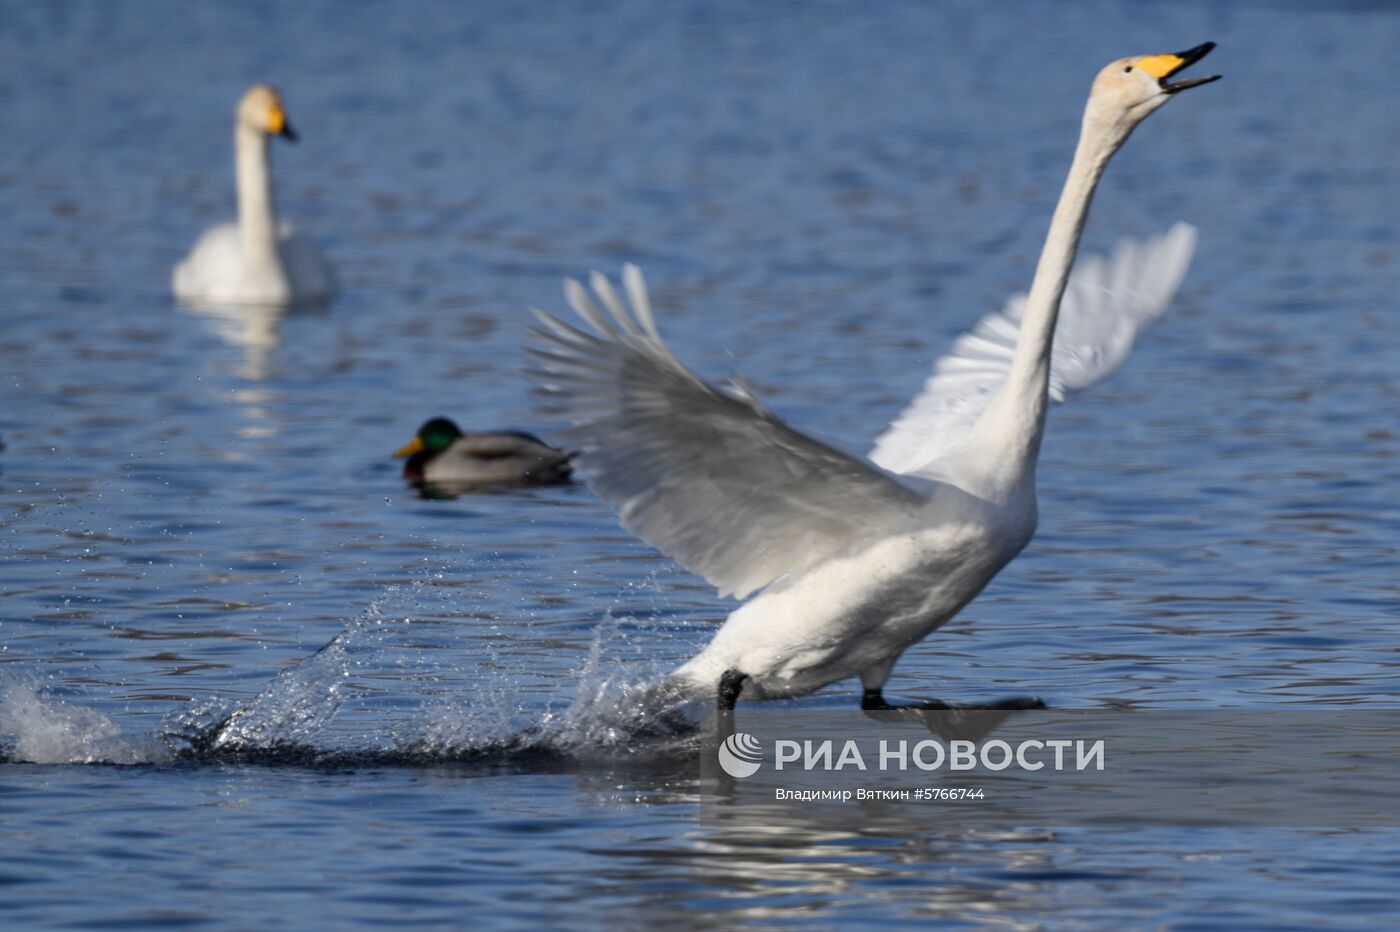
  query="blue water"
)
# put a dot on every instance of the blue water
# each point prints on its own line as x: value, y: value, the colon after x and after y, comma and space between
x: 822, y: 194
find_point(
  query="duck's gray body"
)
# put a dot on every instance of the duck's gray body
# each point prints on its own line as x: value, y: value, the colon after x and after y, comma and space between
x: 511, y: 457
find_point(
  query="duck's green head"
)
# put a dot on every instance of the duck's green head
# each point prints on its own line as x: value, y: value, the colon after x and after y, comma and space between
x: 433, y: 437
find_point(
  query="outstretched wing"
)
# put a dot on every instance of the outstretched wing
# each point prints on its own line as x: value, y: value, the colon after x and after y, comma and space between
x: 1106, y: 304
x: 706, y: 475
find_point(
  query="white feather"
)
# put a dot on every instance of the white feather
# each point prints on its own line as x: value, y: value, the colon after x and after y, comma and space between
x: 1107, y: 303
x: 706, y: 475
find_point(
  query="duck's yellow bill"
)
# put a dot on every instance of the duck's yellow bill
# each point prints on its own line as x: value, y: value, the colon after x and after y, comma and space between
x: 410, y: 448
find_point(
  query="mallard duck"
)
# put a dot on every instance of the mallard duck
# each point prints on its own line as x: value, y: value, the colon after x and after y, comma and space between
x: 256, y: 259
x: 442, y: 453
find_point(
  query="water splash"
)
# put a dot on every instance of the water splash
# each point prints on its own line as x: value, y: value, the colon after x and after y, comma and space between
x: 48, y: 730
x: 298, y: 704
x: 616, y: 703
x: 616, y: 707
x: 285, y: 717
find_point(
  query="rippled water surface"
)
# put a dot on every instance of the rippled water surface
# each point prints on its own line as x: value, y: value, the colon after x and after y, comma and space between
x: 823, y: 194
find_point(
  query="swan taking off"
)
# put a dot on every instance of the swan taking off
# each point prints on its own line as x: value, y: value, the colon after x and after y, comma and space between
x: 858, y: 561
x: 255, y: 260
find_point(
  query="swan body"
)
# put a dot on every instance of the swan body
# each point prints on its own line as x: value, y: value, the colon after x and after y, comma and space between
x: 859, y: 611
x: 856, y: 560
x: 257, y: 259
x: 441, y: 453
x: 216, y: 271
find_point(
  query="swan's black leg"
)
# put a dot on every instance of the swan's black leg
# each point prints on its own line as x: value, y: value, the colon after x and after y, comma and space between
x: 731, y: 684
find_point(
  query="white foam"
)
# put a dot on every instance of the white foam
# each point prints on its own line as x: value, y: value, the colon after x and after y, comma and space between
x: 614, y: 699
x: 47, y: 730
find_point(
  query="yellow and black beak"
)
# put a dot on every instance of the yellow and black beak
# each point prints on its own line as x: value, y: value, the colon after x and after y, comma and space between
x: 279, y: 125
x: 1163, y: 67
x: 408, y: 449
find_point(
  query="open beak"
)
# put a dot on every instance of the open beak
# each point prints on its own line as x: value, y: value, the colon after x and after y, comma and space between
x: 410, y: 448
x: 1164, y: 67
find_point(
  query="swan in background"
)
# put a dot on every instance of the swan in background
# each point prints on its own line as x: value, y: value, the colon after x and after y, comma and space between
x: 442, y: 454
x: 256, y: 260
x: 857, y: 561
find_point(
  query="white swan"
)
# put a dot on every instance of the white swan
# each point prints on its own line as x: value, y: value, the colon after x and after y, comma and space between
x: 855, y: 562
x: 255, y: 260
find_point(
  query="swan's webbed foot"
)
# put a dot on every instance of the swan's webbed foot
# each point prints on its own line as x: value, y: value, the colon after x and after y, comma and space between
x: 949, y: 721
x: 873, y: 700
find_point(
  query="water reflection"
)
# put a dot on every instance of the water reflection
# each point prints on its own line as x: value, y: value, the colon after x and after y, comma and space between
x: 764, y: 862
x: 253, y: 329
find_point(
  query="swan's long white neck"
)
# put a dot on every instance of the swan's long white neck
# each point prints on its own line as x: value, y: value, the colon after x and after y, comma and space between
x: 257, y: 215
x: 1010, y: 430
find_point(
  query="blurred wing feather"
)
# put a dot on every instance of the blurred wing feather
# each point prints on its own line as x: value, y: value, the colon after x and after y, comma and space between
x: 1107, y: 303
x: 706, y: 475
